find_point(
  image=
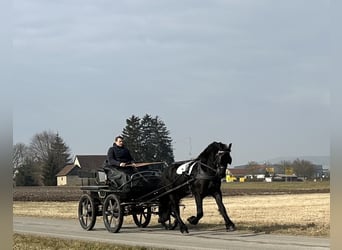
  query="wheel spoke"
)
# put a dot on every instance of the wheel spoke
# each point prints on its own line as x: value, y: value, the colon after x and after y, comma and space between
x: 111, y: 220
x: 142, y: 216
x: 112, y: 214
x: 86, y: 212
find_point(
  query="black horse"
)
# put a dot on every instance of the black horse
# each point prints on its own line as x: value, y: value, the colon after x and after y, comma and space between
x: 204, y: 179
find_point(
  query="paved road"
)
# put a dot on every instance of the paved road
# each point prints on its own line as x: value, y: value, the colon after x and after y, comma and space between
x: 158, y: 237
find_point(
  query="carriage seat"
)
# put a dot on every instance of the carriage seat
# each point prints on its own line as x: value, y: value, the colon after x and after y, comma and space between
x: 101, y: 177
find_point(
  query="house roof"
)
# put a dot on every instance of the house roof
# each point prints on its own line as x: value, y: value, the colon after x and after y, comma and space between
x: 66, y: 170
x: 89, y: 162
x: 238, y: 171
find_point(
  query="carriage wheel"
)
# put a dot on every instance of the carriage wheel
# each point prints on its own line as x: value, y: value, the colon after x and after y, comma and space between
x: 86, y: 212
x: 112, y: 213
x: 143, y: 217
x: 171, y: 223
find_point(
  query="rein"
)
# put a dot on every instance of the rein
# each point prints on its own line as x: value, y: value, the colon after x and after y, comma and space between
x: 207, y: 166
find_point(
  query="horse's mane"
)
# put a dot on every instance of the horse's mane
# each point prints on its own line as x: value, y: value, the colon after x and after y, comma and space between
x: 208, y: 151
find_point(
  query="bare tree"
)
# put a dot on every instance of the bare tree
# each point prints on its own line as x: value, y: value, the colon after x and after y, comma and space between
x: 303, y: 168
x: 20, y: 152
x: 40, y: 145
x: 25, y: 171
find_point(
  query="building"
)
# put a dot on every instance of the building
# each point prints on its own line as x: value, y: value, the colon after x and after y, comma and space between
x: 82, y: 172
x: 236, y: 175
x: 269, y: 172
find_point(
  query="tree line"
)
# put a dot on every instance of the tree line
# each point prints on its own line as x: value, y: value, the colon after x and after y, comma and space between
x: 302, y: 168
x: 38, y: 163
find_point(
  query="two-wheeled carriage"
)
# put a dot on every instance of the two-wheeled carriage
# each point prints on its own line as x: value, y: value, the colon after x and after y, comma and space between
x: 139, y: 197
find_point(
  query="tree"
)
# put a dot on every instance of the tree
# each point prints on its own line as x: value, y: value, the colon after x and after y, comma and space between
x: 58, y: 157
x: 148, y: 143
x: 132, y: 135
x: 20, y: 152
x: 40, y: 145
x: 25, y: 170
x: 39, y: 163
x: 148, y: 139
x: 163, y: 142
x: 28, y: 174
x: 303, y: 168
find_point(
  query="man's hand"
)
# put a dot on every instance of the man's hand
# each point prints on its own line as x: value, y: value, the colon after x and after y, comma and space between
x: 122, y: 164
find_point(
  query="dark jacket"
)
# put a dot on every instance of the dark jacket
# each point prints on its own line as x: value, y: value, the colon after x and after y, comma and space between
x: 116, y: 155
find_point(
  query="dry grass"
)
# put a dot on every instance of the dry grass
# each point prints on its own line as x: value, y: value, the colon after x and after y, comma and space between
x: 297, y: 214
x: 30, y: 242
x: 67, y: 210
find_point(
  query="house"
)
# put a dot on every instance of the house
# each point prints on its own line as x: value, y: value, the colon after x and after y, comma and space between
x: 236, y: 174
x: 250, y: 172
x: 82, y: 171
x: 277, y: 172
x: 69, y: 174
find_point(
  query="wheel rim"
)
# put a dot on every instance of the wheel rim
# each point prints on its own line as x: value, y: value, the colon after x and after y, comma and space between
x: 86, y: 212
x: 143, y: 217
x: 112, y: 214
x: 171, y: 223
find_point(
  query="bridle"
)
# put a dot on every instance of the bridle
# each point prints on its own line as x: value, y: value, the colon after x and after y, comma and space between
x: 219, y: 168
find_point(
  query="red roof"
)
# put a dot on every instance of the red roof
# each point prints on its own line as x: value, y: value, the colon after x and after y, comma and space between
x: 66, y: 170
x: 238, y: 171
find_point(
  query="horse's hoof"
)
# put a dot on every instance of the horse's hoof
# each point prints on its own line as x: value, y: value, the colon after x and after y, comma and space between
x: 231, y: 228
x: 184, y: 230
x: 192, y: 220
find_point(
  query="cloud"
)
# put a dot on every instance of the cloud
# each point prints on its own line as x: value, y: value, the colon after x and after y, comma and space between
x: 231, y: 62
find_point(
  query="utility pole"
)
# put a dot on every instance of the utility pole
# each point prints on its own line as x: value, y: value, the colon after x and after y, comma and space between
x: 190, y: 147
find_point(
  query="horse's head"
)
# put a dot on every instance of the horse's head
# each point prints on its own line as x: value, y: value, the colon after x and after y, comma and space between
x: 223, y: 158
x: 217, y: 155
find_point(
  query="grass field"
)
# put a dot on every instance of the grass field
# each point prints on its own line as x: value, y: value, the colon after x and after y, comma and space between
x: 296, y: 214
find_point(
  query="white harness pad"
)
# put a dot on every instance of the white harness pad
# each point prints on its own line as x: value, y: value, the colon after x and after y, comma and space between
x: 185, y: 168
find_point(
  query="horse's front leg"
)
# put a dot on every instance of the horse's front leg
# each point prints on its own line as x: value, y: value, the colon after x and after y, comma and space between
x: 199, y: 205
x: 230, y: 226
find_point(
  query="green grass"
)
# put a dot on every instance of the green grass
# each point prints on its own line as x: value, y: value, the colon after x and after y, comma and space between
x: 32, y: 242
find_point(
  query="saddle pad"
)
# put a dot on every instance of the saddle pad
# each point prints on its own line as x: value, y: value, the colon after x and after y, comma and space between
x: 185, y: 168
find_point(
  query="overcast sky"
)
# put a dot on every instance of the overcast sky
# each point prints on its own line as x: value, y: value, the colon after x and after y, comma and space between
x: 254, y: 73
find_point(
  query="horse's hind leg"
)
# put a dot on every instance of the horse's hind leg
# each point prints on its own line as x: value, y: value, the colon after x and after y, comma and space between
x: 230, y: 226
x: 199, y: 206
x: 175, y: 207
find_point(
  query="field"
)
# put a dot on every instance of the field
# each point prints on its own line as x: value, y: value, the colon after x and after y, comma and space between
x: 228, y: 189
x: 296, y: 214
x: 301, y: 208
